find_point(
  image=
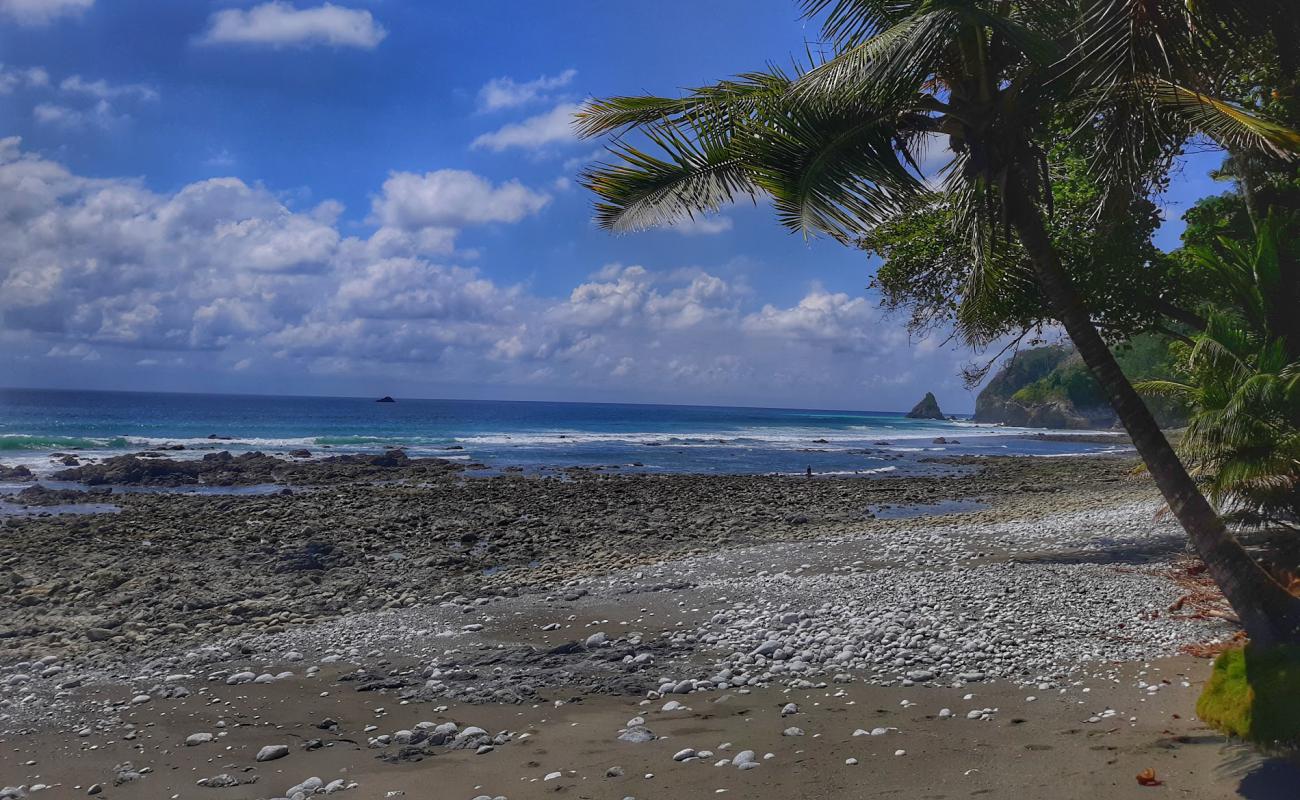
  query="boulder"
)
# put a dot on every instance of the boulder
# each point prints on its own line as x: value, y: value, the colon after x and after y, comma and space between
x: 18, y: 473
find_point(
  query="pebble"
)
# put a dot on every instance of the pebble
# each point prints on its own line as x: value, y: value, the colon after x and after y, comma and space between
x: 637, y: 735
x: 272, y: 751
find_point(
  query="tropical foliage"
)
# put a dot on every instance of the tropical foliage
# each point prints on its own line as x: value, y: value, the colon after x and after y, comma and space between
x: 1124, y: 279
x: 1243, y: 438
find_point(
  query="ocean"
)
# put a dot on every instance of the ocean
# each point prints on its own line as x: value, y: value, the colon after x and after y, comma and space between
x: 532, y: 435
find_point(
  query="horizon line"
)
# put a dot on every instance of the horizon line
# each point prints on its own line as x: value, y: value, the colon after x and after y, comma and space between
x: 372, y: 398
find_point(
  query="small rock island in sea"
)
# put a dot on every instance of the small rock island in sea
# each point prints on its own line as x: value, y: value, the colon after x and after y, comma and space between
x: 928, y: 408
x: 385, y: 399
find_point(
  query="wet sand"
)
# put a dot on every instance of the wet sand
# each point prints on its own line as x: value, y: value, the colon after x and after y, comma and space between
x: 1044, y: 748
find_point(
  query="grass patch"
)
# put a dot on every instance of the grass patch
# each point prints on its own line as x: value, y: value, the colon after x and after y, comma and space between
x: 1255, y: 695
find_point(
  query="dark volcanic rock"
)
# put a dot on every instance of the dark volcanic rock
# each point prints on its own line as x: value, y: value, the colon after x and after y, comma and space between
x: 928, y: 408
x: 246, y: 469
x: 312, y: 556
x: 41, y: 496
x: 18, y: 473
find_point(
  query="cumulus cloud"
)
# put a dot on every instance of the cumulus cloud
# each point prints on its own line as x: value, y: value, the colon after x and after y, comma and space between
x: 279, y: 24
x: 13, y: 78
x: 452, y: 198
x: 82, y: 103
x: 500, y: 93
x: 221, y: 275
x: 42, y: 12
x: 833, y: 319
x: 553, y: 127
x: 424, y: 212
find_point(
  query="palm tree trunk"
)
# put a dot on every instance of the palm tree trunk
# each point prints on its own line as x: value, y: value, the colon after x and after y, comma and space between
x: 1269, y: 613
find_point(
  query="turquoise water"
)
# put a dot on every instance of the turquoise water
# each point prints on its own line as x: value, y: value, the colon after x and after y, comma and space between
x: 533, y: 435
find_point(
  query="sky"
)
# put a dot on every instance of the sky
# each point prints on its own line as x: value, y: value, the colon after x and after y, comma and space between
x: 370, y: 197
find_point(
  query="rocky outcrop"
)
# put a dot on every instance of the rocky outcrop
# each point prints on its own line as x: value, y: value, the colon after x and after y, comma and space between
x: 1034, y: 390
x: 225, y: 469
x: 18, y: 473
x: 928, y: 408
x: 1052, y: 414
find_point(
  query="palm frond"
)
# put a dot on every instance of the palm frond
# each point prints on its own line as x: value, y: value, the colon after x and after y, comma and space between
x: 1226, y: 123
x: 892, y: 62
x: 850, y: 22
x: 717, y: 106
x: 836, y: 169
x: 644, y: 190
x: 1166, y: 388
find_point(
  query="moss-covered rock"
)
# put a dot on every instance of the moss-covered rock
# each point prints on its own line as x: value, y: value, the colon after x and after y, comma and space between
x: 1254, y: 694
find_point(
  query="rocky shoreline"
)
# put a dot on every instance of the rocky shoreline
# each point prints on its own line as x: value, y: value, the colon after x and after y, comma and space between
x: 650, y: 597
x: 168, y: 565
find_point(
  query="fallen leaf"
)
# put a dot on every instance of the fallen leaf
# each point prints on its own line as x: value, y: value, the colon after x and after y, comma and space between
x: 1147, y: 777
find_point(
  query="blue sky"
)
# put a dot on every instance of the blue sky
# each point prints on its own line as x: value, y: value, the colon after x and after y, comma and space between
x: 376, y: 196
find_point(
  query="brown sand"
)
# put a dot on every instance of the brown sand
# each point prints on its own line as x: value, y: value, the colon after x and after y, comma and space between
x: 1045, y: 748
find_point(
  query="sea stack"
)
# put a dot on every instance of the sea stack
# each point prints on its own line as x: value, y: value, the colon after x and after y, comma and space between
x: 928, y: 408
x: 385, y: 399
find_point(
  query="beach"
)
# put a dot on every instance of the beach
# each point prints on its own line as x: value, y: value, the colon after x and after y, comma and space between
x: 545, y: 614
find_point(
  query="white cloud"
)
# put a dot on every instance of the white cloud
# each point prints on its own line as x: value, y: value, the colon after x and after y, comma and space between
x: 223, y: 277
x: 703, y: 225
x: 278, y: 23
x: 101, y: 115
x: 103, y: 90
x: 41, y: 12
x: 423, y: 212
x: 13, y: 78
x: 839, y: 321
x: 412, y: 288
x: 77, y: 351
x: 85, y: 103
x: 553, y: 127
x: 500, y: 93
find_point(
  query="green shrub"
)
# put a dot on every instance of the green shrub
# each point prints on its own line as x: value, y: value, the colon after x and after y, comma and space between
x: 1255, y: 695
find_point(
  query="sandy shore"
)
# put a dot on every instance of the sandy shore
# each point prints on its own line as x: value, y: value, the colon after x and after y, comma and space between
x: 543, y: 617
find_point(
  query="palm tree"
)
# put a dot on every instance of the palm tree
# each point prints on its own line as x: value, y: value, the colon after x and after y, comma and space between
x: 836, y: 146
x: 1243, y: 438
